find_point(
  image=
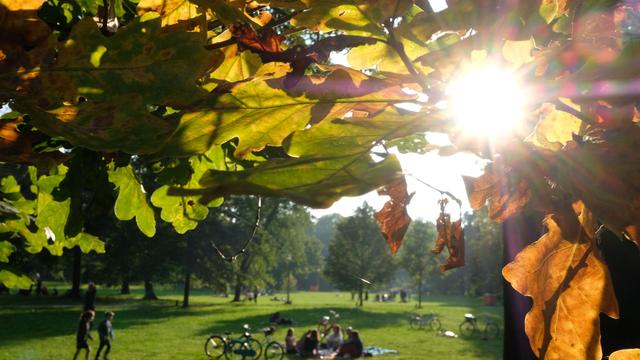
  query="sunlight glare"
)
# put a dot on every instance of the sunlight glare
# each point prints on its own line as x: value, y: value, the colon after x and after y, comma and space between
x: 487, y: 101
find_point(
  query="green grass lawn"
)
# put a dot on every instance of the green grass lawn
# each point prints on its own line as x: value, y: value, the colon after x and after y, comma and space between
x: 44, y: 328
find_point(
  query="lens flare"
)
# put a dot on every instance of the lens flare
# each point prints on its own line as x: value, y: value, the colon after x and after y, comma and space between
x: 487, y: 101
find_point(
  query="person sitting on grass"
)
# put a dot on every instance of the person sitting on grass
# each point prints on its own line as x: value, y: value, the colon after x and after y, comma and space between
x: 334, y: 339
x: 309, y: 348
x: 105, y: 331
x: 351, y: 348
x: 290, y: 342
x: 83, y: 335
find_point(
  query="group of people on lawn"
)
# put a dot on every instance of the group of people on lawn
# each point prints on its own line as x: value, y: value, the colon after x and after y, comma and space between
x: 329, y: 346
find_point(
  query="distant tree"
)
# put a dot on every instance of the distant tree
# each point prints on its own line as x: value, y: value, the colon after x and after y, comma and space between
x: 358, y: 252
x: 415, y: 255
x: 484, y: 253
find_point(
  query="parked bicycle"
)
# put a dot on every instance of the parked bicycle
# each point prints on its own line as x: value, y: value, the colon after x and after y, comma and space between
x: 326, y: 323
x: 470, y: 327
x: 273, y: 349
x: 428, y: 321
x: 244, y: 347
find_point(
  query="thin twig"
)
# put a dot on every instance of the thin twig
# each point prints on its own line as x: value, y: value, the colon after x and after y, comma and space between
x: 442, y: 192
x: 247, y: 242
x: 580, y: 115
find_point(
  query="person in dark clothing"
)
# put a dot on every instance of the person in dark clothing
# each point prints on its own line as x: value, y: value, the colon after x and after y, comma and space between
x: 83, y: 334
x: 310, y: 345
x: 351, y: 348
x: 105, y: 331
x: 90, y: 297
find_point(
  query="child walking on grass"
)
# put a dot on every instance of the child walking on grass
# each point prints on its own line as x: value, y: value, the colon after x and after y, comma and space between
x: 105, y: 331
x: 83, y: 335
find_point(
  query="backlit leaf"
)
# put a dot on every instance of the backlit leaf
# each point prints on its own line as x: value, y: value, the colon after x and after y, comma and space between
x: 393, y: 218
x: 12, y: 281
x: 185, y: 211
x: 132, y: 199
x: 627, y: 354
x: 555, y: 129
x: 6, y: 249
x: 570, y: 286
x: 312, y: 181
x: 175, y: 14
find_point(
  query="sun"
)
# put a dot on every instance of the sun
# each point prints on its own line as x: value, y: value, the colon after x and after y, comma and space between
x: 487, y: 101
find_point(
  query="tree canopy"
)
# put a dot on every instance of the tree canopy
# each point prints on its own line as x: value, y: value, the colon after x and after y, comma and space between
x: 139, y: 106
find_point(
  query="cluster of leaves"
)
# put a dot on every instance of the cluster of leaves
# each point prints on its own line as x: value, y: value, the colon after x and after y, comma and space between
x: 208, y: 98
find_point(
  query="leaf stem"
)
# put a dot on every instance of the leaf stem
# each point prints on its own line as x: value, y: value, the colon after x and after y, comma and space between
x: 568, y: 109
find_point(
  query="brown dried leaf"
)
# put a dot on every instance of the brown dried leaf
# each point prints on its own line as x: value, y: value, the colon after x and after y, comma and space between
x: 393, y: 218
x: 504, y: 200
x: 570, y: 286
x: 455, y: 247
x: 266, y: 40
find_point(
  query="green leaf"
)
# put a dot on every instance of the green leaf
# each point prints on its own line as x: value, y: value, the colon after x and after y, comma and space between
x: 259, y: 113
x: 120, y: 77
x: 237, y: 67
x: 551, y: 9
x: 52, y: 211
x: 6, y: 249
x: 86, y: 242
x: 132, y: 199
x: 184, y: 212
x: 9, y: 185
x: 352, y: 17
x: 352, y: 135
x: 12, y: 281
x: 312, y: 181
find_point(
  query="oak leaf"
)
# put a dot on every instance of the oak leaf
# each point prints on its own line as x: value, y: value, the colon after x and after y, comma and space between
x: 393, y: 218
x: 570, y: 286
x: 504, y: 199
x: 626, y: 354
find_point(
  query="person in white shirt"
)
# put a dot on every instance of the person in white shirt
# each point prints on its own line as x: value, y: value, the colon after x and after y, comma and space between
x: 334, y: 339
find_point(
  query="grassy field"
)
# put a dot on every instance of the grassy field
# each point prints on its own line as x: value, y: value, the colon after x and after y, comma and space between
x: 44, y: 328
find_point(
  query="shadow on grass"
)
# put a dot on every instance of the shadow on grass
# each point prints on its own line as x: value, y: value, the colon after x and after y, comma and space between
x: 49, y: 317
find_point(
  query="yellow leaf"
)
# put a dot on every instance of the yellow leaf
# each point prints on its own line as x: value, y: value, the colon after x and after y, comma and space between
x: 626, y: 354
x: 555, y: 129
x: 570, y: 286
x: 518, y: 53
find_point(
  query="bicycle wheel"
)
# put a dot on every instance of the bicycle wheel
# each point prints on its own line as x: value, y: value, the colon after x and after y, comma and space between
x: 491, y: 331
x: 467, y: 329
x: 415, y: 323
x: 274, y: 350
x: 434, y: 324
x: 241, y: 349
x: 215, y: 347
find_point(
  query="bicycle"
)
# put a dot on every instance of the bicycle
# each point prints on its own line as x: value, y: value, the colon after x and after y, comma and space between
x: 327, y: 322
x: 428, y: 321
x: 469, y: 327
x: 244, y: 347
x: 273, y: 349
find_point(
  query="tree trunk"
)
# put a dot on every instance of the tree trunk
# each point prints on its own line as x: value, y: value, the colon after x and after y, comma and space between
x: 77, y: 267
x: 360, y: 290
x: 237, y: 292
x: 149, y: 293
x: 187, y: 273
x: 244, y: 267
x: 420, y: 290
x: 353, y: 295
x: 187, y: 288
x: 124, y: 288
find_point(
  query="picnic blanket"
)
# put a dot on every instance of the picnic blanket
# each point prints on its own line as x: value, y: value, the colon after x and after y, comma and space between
x: 375, y: 351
